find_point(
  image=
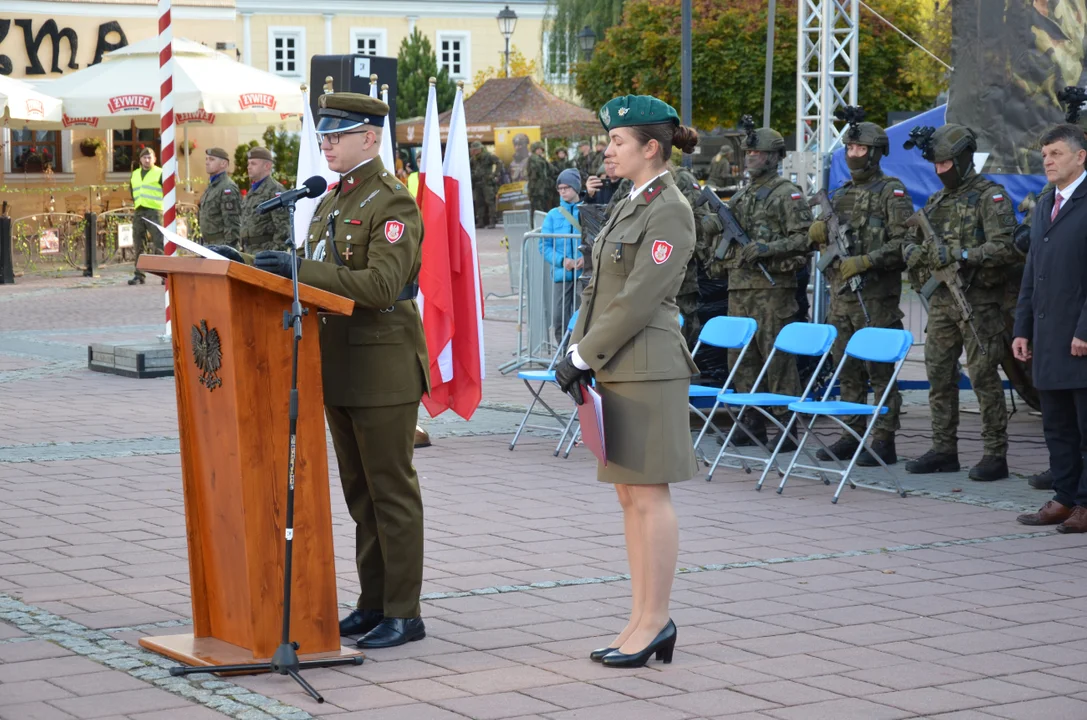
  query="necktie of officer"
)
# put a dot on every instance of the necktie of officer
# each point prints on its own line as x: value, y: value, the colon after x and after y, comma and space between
x: 1056, y: 207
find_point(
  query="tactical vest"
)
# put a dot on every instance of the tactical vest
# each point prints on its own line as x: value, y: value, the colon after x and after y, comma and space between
x: 861, y: 211
x: 751, y: 206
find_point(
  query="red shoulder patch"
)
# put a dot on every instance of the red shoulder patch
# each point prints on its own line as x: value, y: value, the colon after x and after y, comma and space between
x: 393, y: 230
x: 661, y: 251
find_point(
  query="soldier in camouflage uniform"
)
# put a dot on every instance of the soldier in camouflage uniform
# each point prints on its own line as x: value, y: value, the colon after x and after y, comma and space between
x: 586, y: 161
x: 721, y: 168
x: 687, y: 296
x: 485, y: 171
x: 541, y: 189
x: 268, y: 231
x: 774, y: 214
x: 874, y: 208
x: 220, y: 205
x: 974, y: 222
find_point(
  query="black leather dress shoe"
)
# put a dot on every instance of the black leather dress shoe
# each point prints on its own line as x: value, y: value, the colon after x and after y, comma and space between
x: 360, y: 622
x: 391, y: 632
x: 598, y: 654
x: 662, y: 646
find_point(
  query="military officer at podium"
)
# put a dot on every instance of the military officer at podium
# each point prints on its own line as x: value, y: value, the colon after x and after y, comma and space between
x: 374, y: 363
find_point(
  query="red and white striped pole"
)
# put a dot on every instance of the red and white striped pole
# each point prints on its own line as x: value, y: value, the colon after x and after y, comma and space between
x: 166, y: 130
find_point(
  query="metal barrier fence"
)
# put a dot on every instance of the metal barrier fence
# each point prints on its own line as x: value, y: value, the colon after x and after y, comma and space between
x: 538, y: 303
x: 51, y: 241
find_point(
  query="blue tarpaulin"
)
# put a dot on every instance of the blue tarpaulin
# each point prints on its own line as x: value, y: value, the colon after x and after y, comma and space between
x: 917, y: 173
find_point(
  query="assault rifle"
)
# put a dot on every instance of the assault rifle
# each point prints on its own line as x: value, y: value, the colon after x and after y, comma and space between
x: 838, y: 248
x: 733, y: 233
x: 947, y: 276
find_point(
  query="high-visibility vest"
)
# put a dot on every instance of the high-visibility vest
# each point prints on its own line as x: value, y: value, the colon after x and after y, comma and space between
x: 413, y: 184
x: 147, y: 190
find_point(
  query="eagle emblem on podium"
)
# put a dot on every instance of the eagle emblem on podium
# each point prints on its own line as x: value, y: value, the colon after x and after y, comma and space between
x: 207, y: 353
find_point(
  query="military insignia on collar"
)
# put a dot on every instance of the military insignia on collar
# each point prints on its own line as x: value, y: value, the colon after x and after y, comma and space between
x: 651, y: 192
x: 605, y: 115
x: 623, y: 111
x: 393, y: 230
x: 350, y: 180
x: 661, y: 251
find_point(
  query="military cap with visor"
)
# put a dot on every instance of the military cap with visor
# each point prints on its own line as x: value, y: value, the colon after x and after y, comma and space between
x: 341, y: 112
x: 630, y: 110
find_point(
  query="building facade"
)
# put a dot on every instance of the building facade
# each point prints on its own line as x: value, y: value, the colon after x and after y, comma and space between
x: 44, y: 39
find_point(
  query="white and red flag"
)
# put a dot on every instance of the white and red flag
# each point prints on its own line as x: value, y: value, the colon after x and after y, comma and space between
x: 435, y: 288
x: 464, y: 390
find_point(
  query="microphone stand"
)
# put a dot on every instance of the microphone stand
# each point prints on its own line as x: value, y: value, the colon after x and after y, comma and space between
x: 285, y: 660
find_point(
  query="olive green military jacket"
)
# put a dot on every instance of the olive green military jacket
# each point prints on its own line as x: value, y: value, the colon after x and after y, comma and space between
x: 627, y: 329
x: 978, y: 217
x: 874, y: 214
x: 773, y: 212
x: 268, y: 231
x: 220, y: 212
x: 377, y: 356
x: 486, y: 169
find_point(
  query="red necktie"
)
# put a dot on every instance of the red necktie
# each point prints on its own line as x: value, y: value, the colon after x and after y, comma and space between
x: 1056, y: 207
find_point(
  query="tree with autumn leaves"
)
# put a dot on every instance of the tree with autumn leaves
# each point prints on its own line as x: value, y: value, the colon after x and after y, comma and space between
x: 641, y: 55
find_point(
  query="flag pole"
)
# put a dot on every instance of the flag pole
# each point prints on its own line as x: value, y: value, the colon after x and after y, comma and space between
x: 166, y: 132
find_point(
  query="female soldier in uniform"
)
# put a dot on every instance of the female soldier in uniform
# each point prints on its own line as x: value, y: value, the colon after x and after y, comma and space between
x: 628, y: 335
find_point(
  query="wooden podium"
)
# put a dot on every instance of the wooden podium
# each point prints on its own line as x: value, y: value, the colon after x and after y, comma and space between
x: 232, y: 367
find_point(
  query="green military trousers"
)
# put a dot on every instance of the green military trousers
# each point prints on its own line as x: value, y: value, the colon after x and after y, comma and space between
x: 374, y: 448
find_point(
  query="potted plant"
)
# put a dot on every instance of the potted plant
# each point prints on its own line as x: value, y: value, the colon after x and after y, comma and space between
x: 89, y: 146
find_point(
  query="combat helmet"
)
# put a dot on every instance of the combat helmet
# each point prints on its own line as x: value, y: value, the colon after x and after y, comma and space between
x: 762, y: 139
x: 536, y: 146
x: 956, y: 143
x: 864, y: 133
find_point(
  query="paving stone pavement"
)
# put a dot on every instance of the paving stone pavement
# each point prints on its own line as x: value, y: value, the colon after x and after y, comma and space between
x: 934, y: 606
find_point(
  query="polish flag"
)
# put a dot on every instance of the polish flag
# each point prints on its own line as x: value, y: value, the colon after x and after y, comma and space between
x: 435, y: 297
x: 464, y: 391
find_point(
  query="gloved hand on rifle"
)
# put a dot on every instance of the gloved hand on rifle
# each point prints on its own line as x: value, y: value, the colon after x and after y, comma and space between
x: 817, y: 234
x: 942, y: 256
x: 756, y: 251
x: 915, y: 256
x: 276, y: 262
x: 851, y: 266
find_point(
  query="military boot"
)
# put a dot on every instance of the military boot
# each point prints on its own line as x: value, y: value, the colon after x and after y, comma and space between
x: 843, y: 449
x: 934, y: 461
x: 788, y: 446
x: 884, y: 448
x: 991, y: 467
x: 741, y: 439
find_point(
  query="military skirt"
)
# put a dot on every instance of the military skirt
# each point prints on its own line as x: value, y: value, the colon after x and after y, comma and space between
x: 647, y: 433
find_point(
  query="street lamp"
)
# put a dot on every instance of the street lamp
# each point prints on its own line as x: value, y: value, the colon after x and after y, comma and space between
x: 586, y: 39
x: 507, y: 21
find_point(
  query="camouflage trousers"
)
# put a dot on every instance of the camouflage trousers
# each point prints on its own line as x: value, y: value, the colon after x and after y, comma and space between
x: 772, y: 309
x: 846, y: 315
x: 947, y: 335
x: 688, y: 310
x: 485, y: 200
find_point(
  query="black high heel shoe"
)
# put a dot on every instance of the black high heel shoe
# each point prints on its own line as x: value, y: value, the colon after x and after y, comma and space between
x: 598, y: 654
x: 662, y: 645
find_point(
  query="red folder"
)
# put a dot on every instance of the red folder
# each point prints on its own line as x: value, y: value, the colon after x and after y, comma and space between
x: 590, y: 413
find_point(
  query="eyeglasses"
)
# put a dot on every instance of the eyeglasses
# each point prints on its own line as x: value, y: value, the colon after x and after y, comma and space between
x: 334, y: 138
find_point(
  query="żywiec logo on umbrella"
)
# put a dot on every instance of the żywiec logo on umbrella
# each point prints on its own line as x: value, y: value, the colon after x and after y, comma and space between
x: 127, y: 103
x: 79, y: 121
x: 200, y: 116
x: 35, y: 108
x: 248, y: 101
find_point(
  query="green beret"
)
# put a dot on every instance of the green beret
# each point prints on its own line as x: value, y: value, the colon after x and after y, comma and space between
x: 636, y: 110
x: 259, y: 153
x: 345, y: 111
x: 217, y: 152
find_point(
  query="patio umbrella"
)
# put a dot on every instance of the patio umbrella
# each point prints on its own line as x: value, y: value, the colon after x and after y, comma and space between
x: 19, y: 101
x: 210, y: 88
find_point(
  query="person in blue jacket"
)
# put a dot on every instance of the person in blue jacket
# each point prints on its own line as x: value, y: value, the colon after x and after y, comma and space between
x: 562, y: 252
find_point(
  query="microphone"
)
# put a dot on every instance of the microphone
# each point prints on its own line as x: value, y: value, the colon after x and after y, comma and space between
x: 312, y: 188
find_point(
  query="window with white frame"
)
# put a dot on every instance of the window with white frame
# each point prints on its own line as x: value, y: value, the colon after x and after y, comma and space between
x: 287, y: 51
x: 35, y: 153
x: 368, y: 41
x: 556, y: 61
x: 453, y: 53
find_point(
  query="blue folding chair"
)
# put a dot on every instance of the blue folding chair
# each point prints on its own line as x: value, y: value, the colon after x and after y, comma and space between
x: 809, y: 339
x: 872, y: 345
x: 726, y: 333
x: 543, y: 378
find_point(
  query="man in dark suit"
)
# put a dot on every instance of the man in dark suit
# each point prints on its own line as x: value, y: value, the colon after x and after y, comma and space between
x: 1051, y: 325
